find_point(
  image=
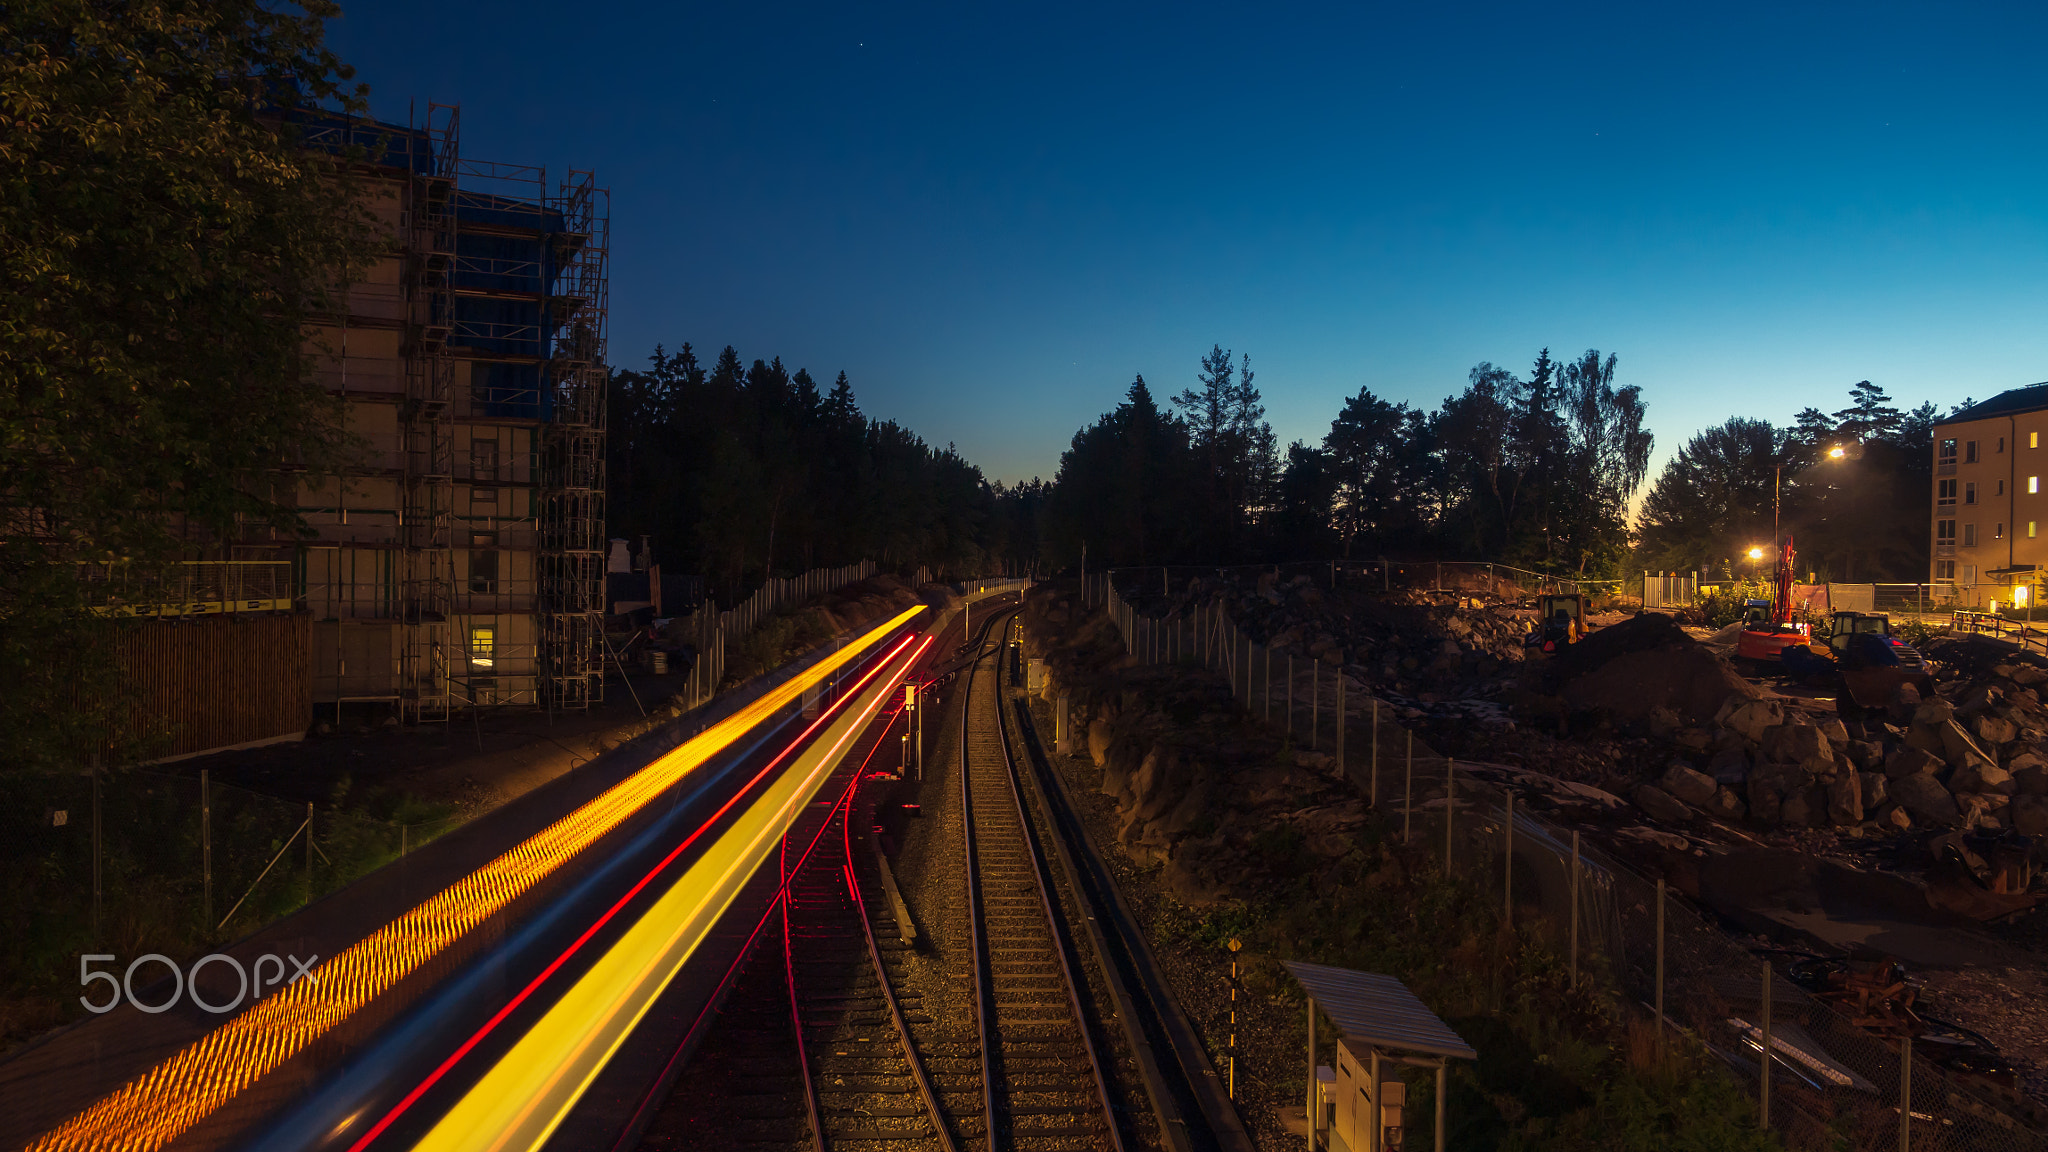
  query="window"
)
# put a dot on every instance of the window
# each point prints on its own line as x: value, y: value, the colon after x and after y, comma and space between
x: 2030, y: 529
x: 1946, y: 453
x: 2033, y: 484
x: 1969, y: 573
x: 483, y: 651
x: 1970, y: 492
x: 1944, y: 570
x: 1945, y: 532
x: 489, y: 496
x: 483, y: 459
x: 1944, y: 492
x: 483, y: 562
x: 1969, y: 451
x: 1998, y: 531
x: 1969, y: 535
x: 2001, y: 445
x: 2001, y: 487
x: 2033, y: 439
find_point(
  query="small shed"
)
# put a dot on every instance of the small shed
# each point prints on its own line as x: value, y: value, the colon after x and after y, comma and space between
x: 1379, y: 1022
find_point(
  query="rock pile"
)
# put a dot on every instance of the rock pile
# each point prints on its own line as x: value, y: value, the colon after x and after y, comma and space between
x: 1968, y: 757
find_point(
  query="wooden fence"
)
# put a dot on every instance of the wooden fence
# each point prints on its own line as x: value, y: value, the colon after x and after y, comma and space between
x: 216, y: 681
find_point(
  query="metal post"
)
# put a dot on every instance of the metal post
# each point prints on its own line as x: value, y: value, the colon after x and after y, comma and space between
x: 1450, y: 807
x: 1905, y: 1094
x: 1507, y: 902
x: 96, y: 849
x: 1764, y: 1090
x: 1374, y: 703
x: 309, y: 851
x: 1342, y: 718
x: 1660, y: 967
x: 1308, y: 1110
x: 1408, y: 795
x: 206, y: 840
x: 1575, y: 910
x: 1442, y: 1086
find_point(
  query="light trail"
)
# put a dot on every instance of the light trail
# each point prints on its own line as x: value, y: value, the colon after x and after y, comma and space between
x: 527, y: 1093
x: 159, y: 1105
x: 533, y: 985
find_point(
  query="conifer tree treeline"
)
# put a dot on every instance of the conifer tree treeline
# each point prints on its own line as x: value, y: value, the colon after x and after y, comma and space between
x: 1535, y: 471
x: 741, y: 472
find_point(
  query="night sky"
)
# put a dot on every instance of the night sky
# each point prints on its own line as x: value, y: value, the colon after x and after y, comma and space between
x: 993, y: 215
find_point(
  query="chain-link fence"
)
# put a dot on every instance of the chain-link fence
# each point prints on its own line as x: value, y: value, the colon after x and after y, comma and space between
x: 1833, y: 1084
x: 134, y: 861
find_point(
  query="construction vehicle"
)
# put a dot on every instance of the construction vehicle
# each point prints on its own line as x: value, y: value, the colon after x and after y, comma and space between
x: 1560, y: 623
x: 1766, y: 634
x: 1860, y: 651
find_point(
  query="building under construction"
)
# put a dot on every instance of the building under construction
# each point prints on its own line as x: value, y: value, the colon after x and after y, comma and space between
x: 460, y: 563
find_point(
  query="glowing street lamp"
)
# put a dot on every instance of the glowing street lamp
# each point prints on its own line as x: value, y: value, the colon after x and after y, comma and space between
x: 1755, y: 554
x: 1837, y: 452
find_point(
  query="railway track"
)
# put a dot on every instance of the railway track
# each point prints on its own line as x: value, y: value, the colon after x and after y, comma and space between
x: 837, y: 1035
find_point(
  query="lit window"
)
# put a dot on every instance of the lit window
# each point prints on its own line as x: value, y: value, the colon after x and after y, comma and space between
x: 1969, y: 535
x: 2033, y: 439
x: 2030, y: 529
x: 2033, y: 483
x: 483, y: 648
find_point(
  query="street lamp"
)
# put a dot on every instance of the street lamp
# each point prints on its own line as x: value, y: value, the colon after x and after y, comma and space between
x: 1755, y: 554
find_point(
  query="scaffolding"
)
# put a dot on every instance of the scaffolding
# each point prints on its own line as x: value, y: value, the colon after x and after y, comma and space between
x: 484, y: 564
x: 427, y: 546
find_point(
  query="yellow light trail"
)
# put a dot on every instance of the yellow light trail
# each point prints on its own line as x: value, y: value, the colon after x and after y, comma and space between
x: 156, y: 1107
x: 531, y: 1088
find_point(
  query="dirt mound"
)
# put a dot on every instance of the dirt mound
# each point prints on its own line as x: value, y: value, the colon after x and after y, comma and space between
x: 1976, y: 656
x: 1643, y: 664
x: 1642, y: 633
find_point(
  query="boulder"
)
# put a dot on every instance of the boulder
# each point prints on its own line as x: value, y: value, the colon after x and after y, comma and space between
x: 1867, y: 755
x: 1792, y: 743
x: 1958, y: 747
x: 1926, y: 799
x: 1895, y: 819
x: 1845, y: 799
x: 1874, y: 791
x: 1729, y: 765
x: 1751, y: 717
x: 1661, y: 722
x: 1683, y: 676
x: 1766, y: 798
x: 2027, y: 675
x: 1910, y: 761
x: 1661, y: 805
x: 1694, y: 740
x: 1905, y: 701
x: 1098, y: 741
x: 1695, y: 788
x: 1836, y: 732
x: 1805, y: 807
x: 1934, y: 713
x: 2031, y: 779
x: 1725, y: 804
x: 2030, y: 815
x: 1981, y: 777
x: 1994, y: 730
x: 1980, y: 698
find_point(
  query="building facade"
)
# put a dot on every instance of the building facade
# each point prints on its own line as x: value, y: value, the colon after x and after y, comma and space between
x: 1990, y: 523
x: 460, y: 562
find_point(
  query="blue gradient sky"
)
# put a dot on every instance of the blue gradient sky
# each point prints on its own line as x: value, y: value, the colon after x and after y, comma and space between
x: 992, y: 215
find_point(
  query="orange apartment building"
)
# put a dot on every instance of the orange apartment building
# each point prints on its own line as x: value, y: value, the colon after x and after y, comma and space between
x: 1990, y: 531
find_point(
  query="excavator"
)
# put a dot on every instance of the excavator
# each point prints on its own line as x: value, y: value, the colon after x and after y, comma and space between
x: 1768, y: 628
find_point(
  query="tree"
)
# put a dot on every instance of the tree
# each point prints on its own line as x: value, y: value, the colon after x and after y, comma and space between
x: 1712, y: 502
x: 1226, y: 425
x: 1377, y: 454
x: 163, y: 241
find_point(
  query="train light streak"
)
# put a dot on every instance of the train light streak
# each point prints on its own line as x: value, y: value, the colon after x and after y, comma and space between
x: 159, y: 1105
x: 523, y: 1097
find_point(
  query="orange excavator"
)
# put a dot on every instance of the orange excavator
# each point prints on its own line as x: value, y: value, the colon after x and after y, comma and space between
x: 1768, y: 628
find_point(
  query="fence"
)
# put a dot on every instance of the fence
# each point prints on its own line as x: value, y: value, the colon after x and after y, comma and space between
x: 137, y: 861
x: 1831, y: 1081
x: 1472, y: 577
x: 2028, y: 636
x: 1666, y: 591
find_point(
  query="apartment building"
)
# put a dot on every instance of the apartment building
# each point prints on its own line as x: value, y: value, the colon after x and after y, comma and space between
x: 460, y: 563
x: 1990, y: 535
